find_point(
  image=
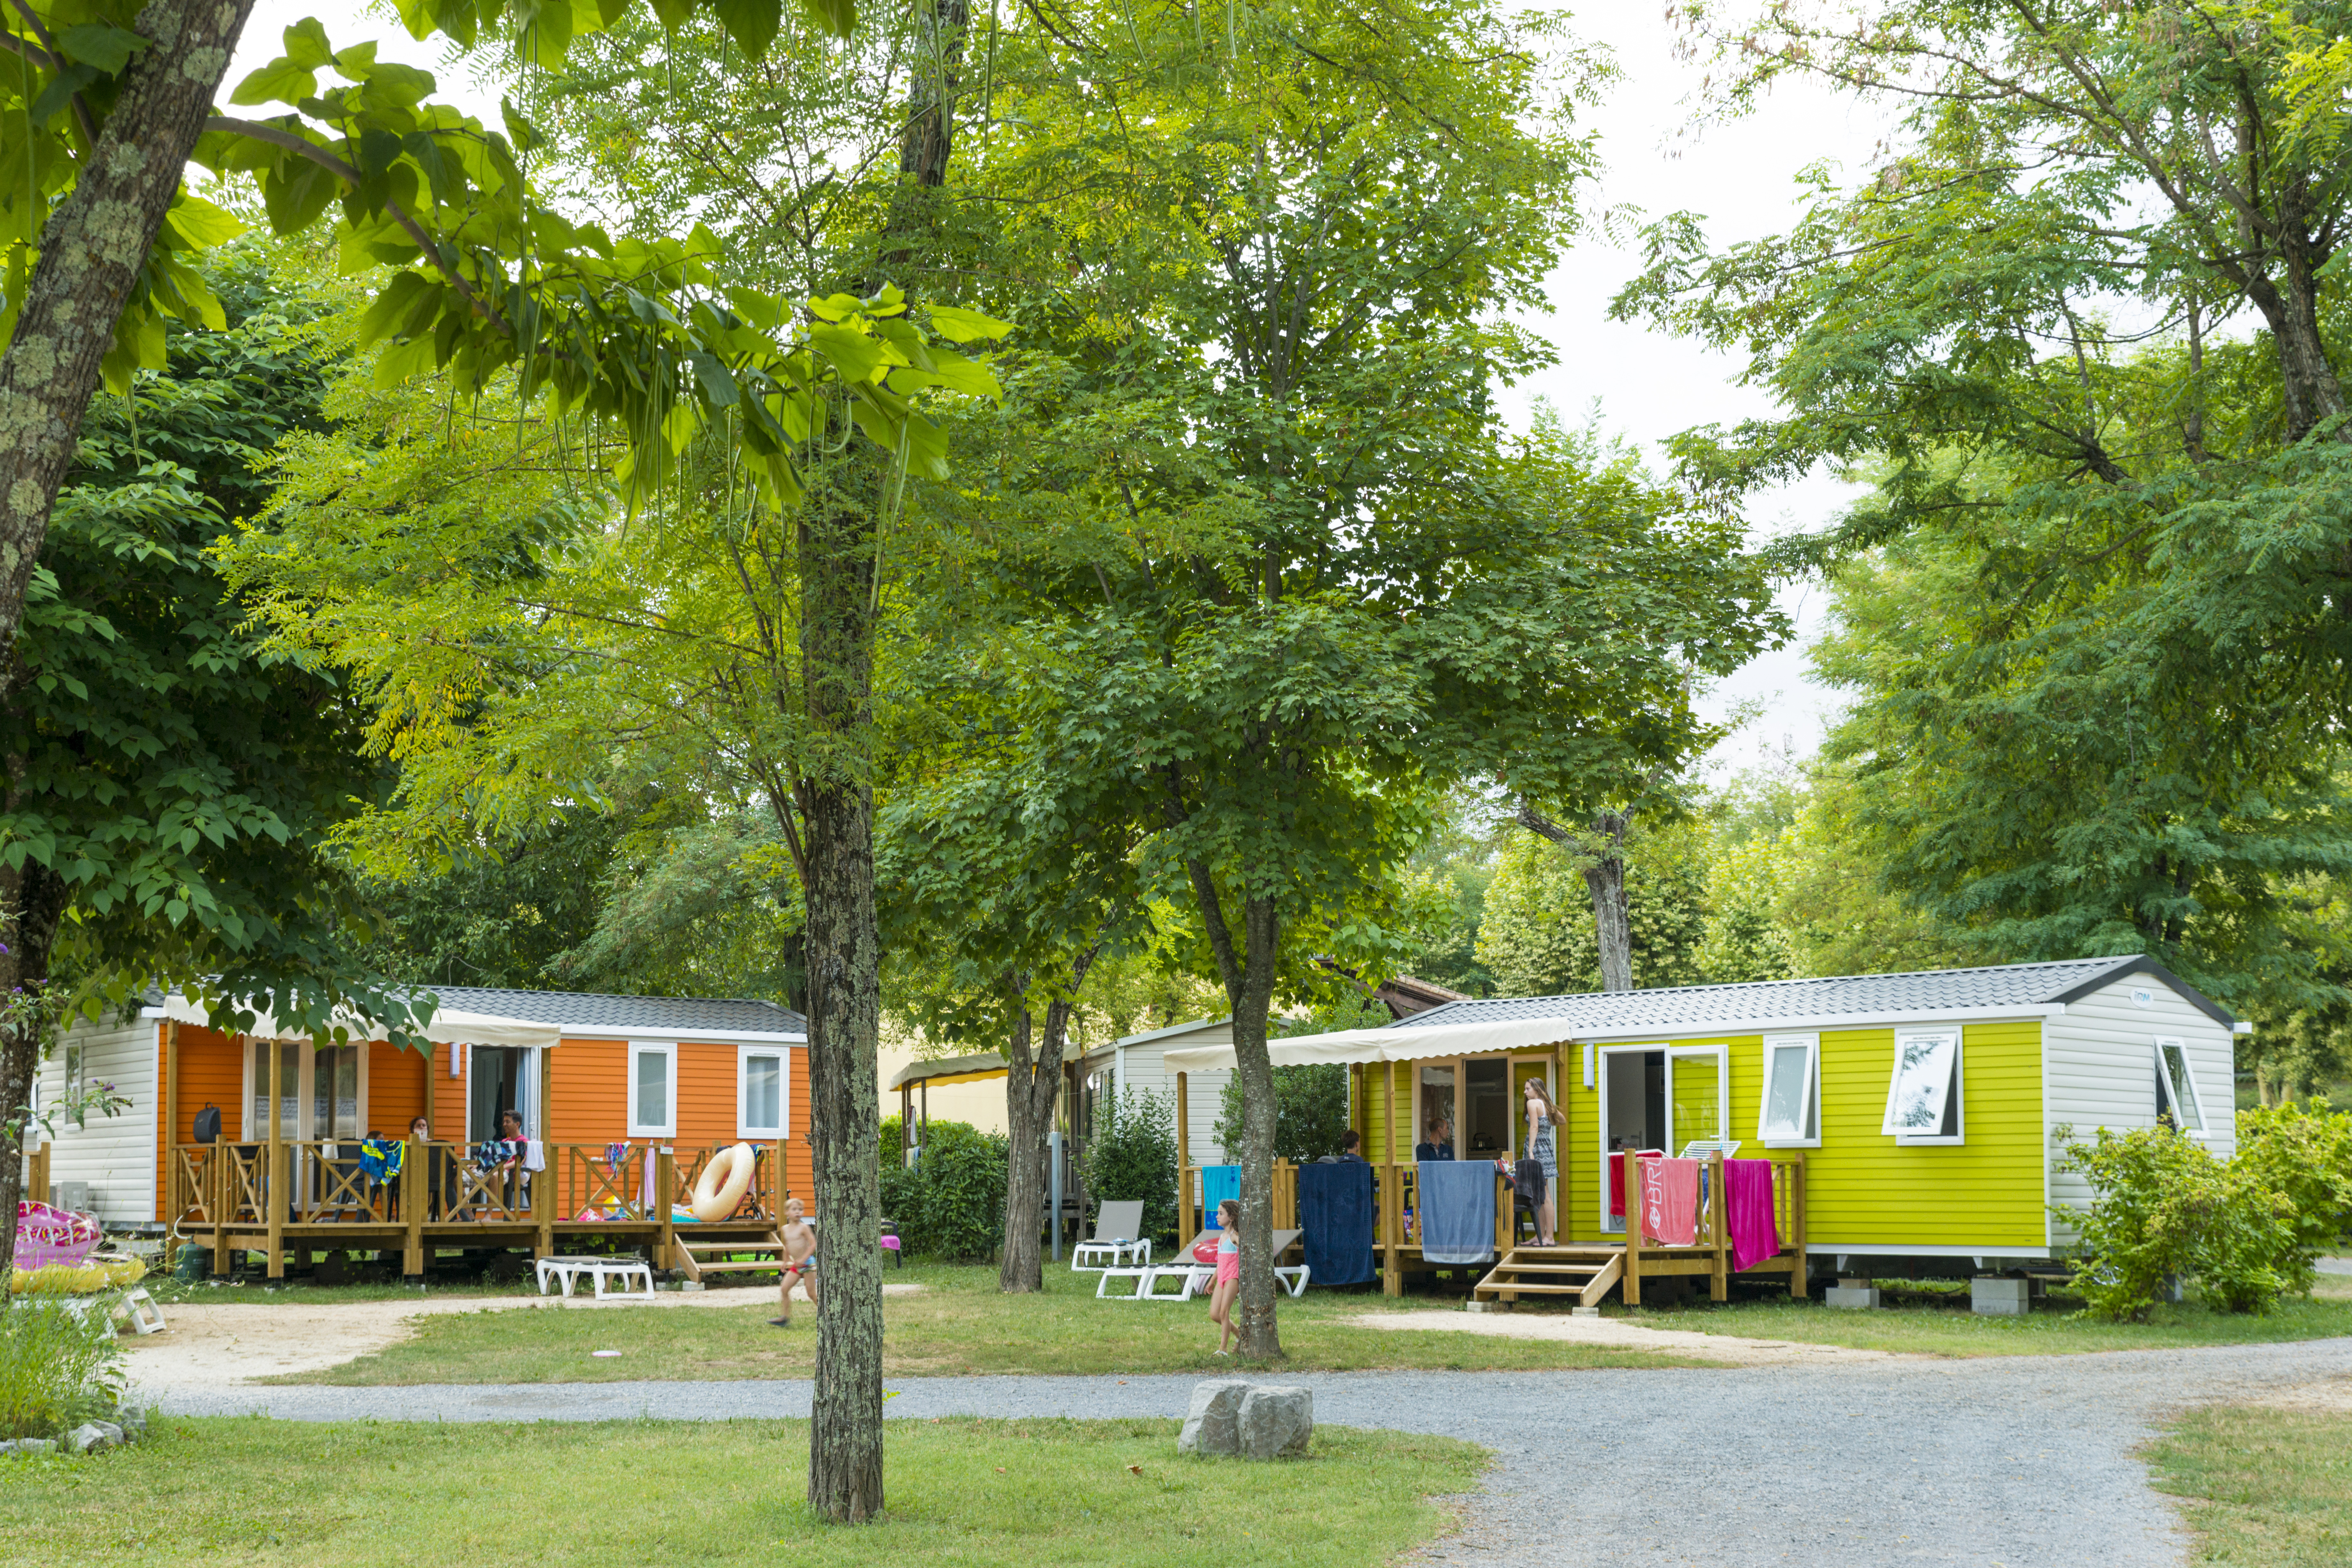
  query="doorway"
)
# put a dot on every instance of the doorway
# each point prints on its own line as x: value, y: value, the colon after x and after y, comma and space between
x: 497, y: 1080
x: 1486, y: 1130
x: 1633, y: 1113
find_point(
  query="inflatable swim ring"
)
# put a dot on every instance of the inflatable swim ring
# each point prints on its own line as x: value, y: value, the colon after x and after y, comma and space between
x: 725, y: 1178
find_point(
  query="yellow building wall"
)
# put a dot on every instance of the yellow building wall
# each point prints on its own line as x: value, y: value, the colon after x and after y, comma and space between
x: 1862, y: 1188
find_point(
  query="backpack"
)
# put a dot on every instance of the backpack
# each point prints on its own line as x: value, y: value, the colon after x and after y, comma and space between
x: 208, y: 1124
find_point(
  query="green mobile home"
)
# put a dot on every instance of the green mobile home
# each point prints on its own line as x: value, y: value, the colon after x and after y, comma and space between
x: 1912, y: 1119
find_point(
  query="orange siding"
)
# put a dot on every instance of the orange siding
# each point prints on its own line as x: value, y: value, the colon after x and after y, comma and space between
x: 592, y: 1083
x: 396, y: 1091
x: 212, y: 1071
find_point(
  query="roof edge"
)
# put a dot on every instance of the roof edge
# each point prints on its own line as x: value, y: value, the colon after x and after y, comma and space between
x: 2141, y: 964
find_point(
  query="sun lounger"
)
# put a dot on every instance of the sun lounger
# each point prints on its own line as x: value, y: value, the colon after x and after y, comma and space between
x: 1192, y: 1277
x: 1117, y: 1238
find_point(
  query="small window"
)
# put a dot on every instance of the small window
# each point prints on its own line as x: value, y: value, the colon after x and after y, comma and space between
x: 73, y: 1083
x: 1923, y: 1102
x: 2175, y: 1088
x: 759, y: 1109
x: 1792, y: 1113
x: 653, y: 1090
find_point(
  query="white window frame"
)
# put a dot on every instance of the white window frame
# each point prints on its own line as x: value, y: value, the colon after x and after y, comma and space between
x: 667, y: 1051
x: 1809, y: 1119
x: 2164, y: 1087
x: 1677, y: 1137
x: 743, y: 1128
x: 1956, y: 1106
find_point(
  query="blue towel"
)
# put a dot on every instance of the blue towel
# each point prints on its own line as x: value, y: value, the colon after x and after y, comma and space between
x: 1218, y: 1182
x: 1335, y: 1210
x: 1457, y: 1211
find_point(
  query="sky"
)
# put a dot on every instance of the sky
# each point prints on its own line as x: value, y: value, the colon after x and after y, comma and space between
x: 1648, y: 386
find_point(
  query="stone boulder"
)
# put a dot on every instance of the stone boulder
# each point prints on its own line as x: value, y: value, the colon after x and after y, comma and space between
x: 1212, y: 1426
x: 93, y: 1437
x: 1276, y: 1420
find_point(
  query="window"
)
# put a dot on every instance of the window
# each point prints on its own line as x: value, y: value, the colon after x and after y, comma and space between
x: 2175, y: 1088
x: 760, y: 1093
x: 653, y: 1090
x: 1791, y: 1112
x: 1923, y: 1102
x: 73, y: 1083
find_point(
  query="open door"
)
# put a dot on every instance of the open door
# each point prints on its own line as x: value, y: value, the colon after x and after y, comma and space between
x: 1634, y: 1111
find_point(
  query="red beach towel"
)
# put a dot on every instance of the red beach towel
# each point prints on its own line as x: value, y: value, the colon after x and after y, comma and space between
x: 1670, y: 1202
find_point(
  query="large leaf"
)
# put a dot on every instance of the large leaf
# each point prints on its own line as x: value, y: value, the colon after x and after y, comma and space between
x: 279, y: 82
x: 108, y: 48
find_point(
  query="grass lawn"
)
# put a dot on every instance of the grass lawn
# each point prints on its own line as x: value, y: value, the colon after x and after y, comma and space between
x: 2261, y: 1486
x: 2051, y: 1330
x: 958, y: 1324
x: 1098, y: 1493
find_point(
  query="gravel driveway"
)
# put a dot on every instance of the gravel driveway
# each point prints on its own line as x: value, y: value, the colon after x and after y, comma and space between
x: 2022, y: 1462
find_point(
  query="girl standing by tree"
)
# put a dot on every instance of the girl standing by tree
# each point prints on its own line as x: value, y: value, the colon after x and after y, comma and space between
x: 1228, y: 1273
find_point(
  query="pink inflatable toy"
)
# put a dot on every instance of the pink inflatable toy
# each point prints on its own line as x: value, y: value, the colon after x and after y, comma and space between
x: 45, y: 1236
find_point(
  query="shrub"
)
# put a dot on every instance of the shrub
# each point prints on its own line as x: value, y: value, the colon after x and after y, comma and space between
x: 1133, y: 1156
x: 2164, y: 1207
x: 952, y: 1204
x: 2303, y: 1151
x: 1310, y: 1112
x: 58, y: 1369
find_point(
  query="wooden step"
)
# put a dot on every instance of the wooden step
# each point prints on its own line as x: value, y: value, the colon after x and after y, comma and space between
x: 738, y: 1268
x: 700, y: 1248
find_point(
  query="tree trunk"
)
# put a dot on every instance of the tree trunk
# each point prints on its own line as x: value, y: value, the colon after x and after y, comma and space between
x: 1612, y: 922
x: 1019, y: 1268
x: 31, y: 901
x: 845, y: 984
x: 93, y: 248
x: 1253, y: 1003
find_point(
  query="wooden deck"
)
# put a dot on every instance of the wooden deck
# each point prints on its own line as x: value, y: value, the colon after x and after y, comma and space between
x: 296, y: 1197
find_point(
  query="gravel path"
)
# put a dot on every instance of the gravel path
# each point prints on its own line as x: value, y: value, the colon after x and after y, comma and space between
x: 2015, y: 1461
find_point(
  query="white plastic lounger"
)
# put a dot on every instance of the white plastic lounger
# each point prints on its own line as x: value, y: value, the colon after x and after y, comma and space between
x: 1118, y: 1239
x: 1193, y: 1278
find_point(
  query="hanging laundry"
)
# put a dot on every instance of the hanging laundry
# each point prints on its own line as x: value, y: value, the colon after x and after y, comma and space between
x: 1457, y: 1211
x: 1335, y: 1212
x: 380, y: 1159
x: 1218, y: 1182
x: 1617, y: 1184
x: 1748, y: 1202
x: 1670, y: 1202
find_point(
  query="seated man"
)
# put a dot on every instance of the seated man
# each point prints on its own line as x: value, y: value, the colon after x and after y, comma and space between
x: 1351, y: 1144
x: 1439, y: 1133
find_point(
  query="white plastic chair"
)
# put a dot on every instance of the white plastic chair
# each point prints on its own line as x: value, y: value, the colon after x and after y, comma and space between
x: 1118, y: 1239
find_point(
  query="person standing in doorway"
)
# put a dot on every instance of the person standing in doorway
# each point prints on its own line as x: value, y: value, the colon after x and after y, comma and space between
x: 1544, y: 1119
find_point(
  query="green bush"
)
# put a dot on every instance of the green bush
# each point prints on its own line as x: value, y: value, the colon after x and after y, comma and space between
x: 952, y: 1204
x: 1133, y: 1156
x: 2303, y: 1151
x: 1310, y: 1112
x: 2164, y: 1207
x: 58, y: 1369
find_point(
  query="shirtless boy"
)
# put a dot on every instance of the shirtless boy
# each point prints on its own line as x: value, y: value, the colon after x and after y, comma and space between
x: 798, y: 1238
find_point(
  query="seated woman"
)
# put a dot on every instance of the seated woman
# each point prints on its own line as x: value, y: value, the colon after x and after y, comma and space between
x: 1439, y: 1140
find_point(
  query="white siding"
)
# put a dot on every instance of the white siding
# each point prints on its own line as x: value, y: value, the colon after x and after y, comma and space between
x: 116, y: 1155
x: 2099, y: 1069
x: 1143, y: 1066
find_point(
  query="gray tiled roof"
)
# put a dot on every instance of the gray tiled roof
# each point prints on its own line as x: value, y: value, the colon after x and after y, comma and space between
x: 663, y: 1017
x: 1920, y: 991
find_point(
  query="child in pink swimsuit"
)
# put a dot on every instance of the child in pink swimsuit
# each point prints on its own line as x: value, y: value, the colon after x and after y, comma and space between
x: 1228, y: 1283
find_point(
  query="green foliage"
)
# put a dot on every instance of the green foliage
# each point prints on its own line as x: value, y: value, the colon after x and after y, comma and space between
x: 58, y: 1369
x: 501, y: 916
x: 1748, y: 886
x: 1132, y: 1157
x: 2164, y: 1208
x: 950, y: 1204
x: 2303, y: 1152
x: 1537, y: 935
x: 1310, y: 1111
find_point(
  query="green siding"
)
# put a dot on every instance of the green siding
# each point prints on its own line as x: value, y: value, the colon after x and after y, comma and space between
x: 1860, y: 1186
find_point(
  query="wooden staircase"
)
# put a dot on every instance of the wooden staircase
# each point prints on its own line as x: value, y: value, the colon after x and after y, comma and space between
x: 699, y: 1259
x: 1586, y: 1272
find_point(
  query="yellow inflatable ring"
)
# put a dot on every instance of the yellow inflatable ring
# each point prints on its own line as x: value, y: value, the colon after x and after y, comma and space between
x: 726, y: 1178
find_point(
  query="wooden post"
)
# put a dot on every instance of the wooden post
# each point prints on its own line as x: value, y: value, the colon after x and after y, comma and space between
x: 542, y: 1184
x: 1632, y: 1166
x: 1719, y: 1236
x: 428, y: 1087
x: 1505, y: 1218
x: 665, y: 1185
x: 216, y: 1163
x: 169, y: 1187
x: 273, y: 1190
x: 416, y: 1193
x: 1393, y: 1198
x: 37, y: 1174
x: 1184, y: 1126
x: 1187, y: 1227
x: 1800, y: 1282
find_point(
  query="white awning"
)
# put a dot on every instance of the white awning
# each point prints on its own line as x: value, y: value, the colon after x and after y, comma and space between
x: 1402, y: 1045
x: 450, y: 1026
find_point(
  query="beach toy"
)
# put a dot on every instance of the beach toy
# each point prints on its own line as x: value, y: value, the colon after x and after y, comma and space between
x: 725, y: 1178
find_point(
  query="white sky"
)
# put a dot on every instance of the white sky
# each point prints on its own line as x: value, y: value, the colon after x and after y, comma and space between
x: 1648, y: 386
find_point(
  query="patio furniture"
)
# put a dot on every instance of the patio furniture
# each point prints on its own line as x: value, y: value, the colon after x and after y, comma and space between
x: 1117, y: 1238
x: 1193, y: 1277
x: 626, y: 1271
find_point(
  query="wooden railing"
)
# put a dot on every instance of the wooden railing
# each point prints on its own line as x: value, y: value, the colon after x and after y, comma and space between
x: 1710, y: 1254
x: 1190, y: 1207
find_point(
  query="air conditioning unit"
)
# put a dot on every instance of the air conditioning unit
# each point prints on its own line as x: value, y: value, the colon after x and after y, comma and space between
x: 74, y: 1196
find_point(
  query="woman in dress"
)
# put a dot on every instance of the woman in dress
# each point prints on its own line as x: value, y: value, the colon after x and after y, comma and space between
x: 1543, y: 1148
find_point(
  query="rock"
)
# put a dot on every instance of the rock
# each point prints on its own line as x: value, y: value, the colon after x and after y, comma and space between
x: 1214, y: 1424
x: 36, y: 1445
x: 1276, y: 1420
x: 7, y: 1446
x: 93, y: 1437
x: 133, y: 1424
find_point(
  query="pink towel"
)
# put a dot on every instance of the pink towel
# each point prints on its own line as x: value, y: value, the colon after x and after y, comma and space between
x: 1670, y: 1202
x: 1747, y: 1194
